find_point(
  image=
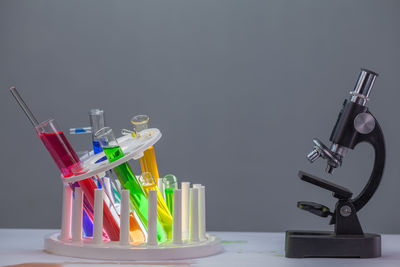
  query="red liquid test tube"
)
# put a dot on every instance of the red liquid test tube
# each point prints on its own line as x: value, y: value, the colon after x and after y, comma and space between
x: 66, y: 159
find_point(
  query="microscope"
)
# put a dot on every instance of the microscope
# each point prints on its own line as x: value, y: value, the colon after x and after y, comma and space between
x: 354, y: 125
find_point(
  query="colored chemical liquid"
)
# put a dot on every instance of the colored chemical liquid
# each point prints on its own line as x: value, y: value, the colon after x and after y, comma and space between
x: 110, y: 225
x: 137, y: 196
x: 97, y: 147
x: 148, y: 163
x: 135, y: 232
x: 66, y: 159
x: 61, y: 151
x: 87, y: 224
x: 163, y: 213
x: 169, y: 198
x: 57, y: 144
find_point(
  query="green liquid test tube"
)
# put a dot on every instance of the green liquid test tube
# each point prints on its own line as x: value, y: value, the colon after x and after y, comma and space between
x: 170, y: 184
x: 127, y: 178
x: 163, y: 214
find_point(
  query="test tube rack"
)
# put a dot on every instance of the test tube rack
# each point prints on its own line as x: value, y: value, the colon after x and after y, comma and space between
x: 190, y: 239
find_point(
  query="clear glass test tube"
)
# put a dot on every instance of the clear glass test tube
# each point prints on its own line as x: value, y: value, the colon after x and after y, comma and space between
x: 96, y: 117
x: 170, y: 184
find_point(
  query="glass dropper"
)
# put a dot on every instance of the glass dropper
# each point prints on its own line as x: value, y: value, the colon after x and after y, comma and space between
x: 24, y: 107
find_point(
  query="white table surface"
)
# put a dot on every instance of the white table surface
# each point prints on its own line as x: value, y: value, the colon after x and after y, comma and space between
x: 24, y: 248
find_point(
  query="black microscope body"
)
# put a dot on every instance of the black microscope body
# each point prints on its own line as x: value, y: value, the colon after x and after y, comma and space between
x: 354, y: 125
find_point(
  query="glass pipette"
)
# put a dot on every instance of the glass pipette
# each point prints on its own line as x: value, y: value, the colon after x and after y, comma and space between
x: 24, y: 107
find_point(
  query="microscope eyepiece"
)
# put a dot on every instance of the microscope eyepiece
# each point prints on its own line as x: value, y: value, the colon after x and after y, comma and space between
x: 362, y: 90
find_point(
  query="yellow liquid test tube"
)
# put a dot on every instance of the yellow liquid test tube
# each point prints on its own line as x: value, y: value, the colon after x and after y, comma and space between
x: 163, y: 214
x: 148, y: 162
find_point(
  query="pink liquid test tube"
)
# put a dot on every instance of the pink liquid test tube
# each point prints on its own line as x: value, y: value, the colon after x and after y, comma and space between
x: 66, y: 159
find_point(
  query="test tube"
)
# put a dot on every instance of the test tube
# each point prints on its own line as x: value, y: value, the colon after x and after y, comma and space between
x: 67, y: 164
x: 127, y: 178
x: 67, y: 161
x: 59, y: 147
x: 97, y: 122
x: 148, y: 162
x: 163, y: 214
x: 170, y: 184
x: 96, y: 117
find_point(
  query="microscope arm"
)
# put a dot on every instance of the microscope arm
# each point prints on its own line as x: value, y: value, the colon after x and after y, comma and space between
x: 376, y: 139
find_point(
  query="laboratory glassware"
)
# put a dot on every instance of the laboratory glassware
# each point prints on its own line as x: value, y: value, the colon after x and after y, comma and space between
x: 148, y: 162
x: 163, y: 213
x: 67, y: 161
x: 127, y: 178
x: 170, y: 184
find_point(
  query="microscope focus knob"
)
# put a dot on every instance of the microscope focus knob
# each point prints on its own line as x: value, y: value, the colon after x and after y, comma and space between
x: 364, y: 123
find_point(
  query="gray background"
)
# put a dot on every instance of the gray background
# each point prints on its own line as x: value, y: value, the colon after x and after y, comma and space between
x: 238, y: 88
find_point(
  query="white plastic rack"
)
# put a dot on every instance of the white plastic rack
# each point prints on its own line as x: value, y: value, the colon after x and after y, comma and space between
x: 190, y: 239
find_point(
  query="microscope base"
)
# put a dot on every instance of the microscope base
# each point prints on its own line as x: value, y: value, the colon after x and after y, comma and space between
x: 318, y: 244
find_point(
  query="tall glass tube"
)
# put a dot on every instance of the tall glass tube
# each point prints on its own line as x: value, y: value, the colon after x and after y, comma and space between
x: 163, y: 214
x: 97, y: 122
x: 68, y: 162
x: 66, y: 159
x: 127, y: 178
x: 96, y: 117
x: 148, y: 162
x: 170, y: 184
